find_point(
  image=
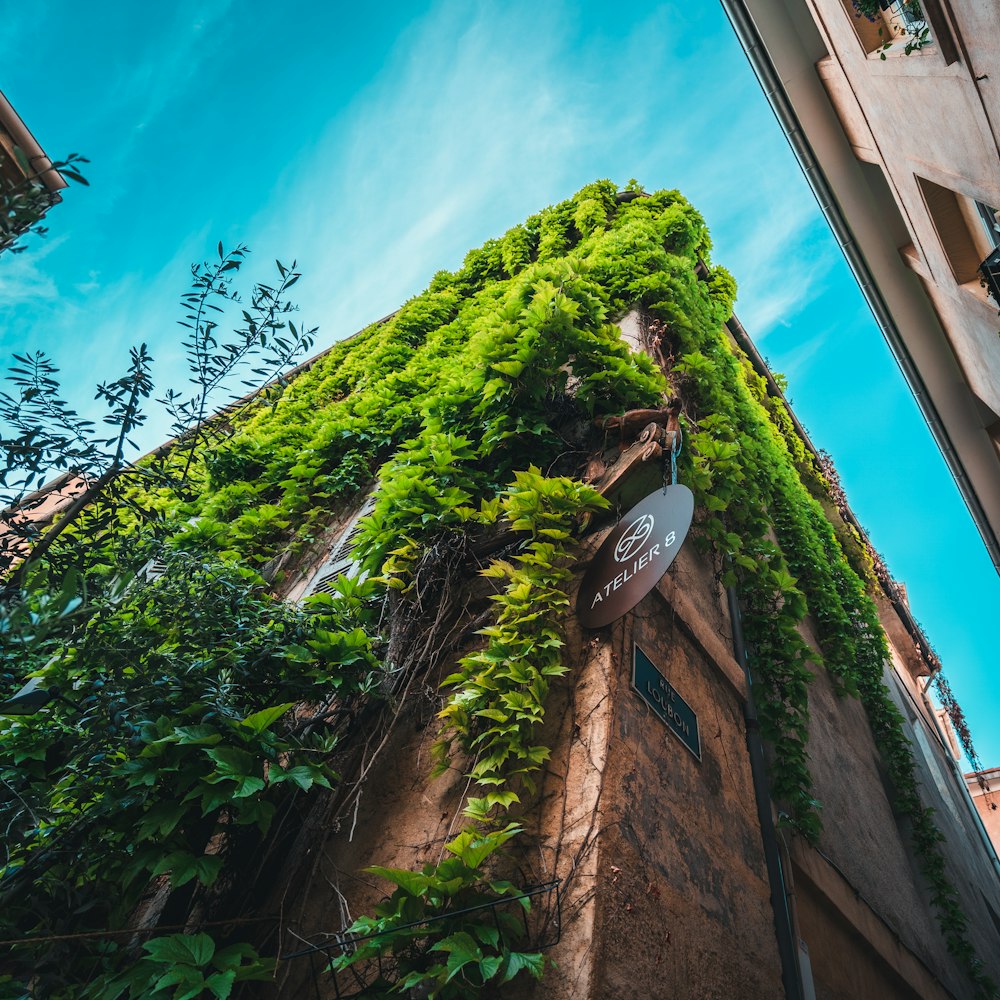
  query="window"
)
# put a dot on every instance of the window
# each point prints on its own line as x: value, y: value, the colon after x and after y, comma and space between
x: 989, y: 269
x: 990, y: 219
x: 152, y: 570
x: 889, y: 25
x: 968, y: 230
x: 905, y: 17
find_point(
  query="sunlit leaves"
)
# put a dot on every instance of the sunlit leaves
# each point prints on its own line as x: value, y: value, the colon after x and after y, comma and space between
x: 496, y: 699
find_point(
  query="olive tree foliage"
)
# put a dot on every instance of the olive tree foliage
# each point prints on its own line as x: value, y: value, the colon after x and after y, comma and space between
x: 89, y: 465
x: 157, y: 720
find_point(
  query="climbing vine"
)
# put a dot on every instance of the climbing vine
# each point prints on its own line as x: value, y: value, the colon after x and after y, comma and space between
x: 473, y: 410
x: 497, y: 697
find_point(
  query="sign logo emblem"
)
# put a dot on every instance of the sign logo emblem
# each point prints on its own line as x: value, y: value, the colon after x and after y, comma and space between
x: 634, y: 538
x: 634, y: 556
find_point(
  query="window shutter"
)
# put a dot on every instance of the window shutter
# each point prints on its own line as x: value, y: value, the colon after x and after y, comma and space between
x: 153, y: 570
x: 341, y: 561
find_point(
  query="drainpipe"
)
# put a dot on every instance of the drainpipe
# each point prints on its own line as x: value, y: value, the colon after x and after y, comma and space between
x: 788, y: 947
x: 11, y: 122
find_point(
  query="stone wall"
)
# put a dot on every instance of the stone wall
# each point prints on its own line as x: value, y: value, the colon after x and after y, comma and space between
x: 664, y: 890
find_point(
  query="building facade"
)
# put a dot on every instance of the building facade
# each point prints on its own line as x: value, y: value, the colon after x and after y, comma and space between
x: 29, y: 184
x: 657, y: 841
x: 658, y: 838
x: 895, y: 120
x: 423, y: 766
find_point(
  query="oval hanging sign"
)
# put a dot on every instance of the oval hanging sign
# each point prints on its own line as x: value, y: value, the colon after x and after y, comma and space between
x: 635, y: 556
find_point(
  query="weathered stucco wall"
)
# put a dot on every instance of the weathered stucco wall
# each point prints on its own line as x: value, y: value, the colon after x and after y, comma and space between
x: 875, y: 126
x: 683, y: 908
x: 891, y: 111
x: 664, y: 890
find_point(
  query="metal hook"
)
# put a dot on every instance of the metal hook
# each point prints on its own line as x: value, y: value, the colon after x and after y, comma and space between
x: 675, y: 449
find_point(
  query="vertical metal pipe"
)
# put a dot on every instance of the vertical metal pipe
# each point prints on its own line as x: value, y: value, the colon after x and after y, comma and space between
x: 788, y: 946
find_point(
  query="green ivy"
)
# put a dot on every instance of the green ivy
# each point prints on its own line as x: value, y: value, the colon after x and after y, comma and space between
x: 426, y: 926
x: 496, y: 700
x: 171, y: 748
x: 182, y: 967
x: 473, y: 406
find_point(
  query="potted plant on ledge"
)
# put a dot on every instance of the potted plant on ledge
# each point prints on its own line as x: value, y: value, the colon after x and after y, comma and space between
x: 897, y: 19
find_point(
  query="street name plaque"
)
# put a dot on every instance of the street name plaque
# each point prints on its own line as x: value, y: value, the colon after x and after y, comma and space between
x: 659, y: 694
x: 634, y: 557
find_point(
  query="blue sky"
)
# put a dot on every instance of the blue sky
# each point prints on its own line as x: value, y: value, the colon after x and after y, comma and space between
x: 377, y: 147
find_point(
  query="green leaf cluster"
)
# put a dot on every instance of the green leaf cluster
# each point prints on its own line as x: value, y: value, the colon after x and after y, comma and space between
x: 439, y: 946
x: 183, y: 967
x: 173, y: 743
x: 496, y: 699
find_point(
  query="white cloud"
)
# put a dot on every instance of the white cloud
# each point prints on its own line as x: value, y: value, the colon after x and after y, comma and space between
x: 796, y: 363
x: 454, y: 142
x: 777, y: 266
x: 22, y: 276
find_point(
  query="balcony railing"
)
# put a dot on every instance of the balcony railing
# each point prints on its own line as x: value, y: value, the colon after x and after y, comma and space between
x: 989, y: 272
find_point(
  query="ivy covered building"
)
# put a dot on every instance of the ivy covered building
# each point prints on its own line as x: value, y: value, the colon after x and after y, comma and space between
x: 361, y: 743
